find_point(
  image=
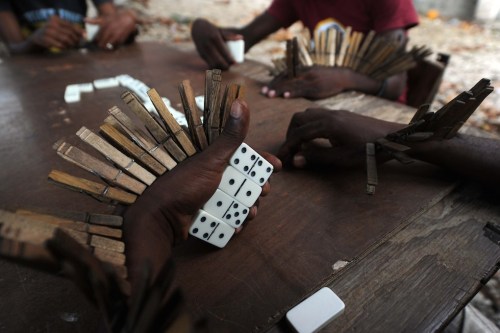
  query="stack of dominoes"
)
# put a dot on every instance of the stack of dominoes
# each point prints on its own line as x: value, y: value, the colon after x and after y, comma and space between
x: 370, y: 55
x: 138, y: 158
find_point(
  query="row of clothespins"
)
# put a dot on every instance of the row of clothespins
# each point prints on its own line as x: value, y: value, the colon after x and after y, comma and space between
x: 371, y: 55
x: 138, y: 157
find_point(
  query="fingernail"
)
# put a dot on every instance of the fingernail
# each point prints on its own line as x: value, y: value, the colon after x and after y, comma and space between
x: 264, y: 90
x: 286, y: 94
x: 272, y: 93
x: 299, y: 161
x: 236, y: 110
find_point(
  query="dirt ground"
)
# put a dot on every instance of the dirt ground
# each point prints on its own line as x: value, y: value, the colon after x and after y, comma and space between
x: 473, y: 47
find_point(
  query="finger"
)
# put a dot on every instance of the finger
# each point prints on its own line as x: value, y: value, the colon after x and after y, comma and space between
x: 59, y: 33
x: 266, y: 188
x: 233, y: 134
x: 72, y: 31
x: 52, y: 42
x: 215, y: 59
x: 220, y: 44
x: 298, y: 135
x: 275, y: 161
x: 103, y: 36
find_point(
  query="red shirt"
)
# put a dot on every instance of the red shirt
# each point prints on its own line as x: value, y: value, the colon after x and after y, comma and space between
x: 361, y: 15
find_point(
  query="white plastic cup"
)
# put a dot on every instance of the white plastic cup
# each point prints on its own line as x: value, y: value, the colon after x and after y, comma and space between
x: 237, y: 49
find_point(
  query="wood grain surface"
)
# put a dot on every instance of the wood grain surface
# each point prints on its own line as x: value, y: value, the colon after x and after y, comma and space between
x: 310, y: 221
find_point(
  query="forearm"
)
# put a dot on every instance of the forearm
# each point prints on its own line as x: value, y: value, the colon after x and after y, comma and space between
x: 149, y: 238
x: 25, y: 46
x: 10, y: 33
x: 391, y: 88
x: 472, y: 157
x: 261, y: 27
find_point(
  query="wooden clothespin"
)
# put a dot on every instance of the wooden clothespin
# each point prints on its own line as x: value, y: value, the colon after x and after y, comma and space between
x: 191, y: 112
x: 99, y: 191
x: 156, y: 130
x: 171, y: 124
x: 107, y: 172
x: 133, y: 150
x: 371, y: 169
x: 212, y: 123
x: 140, y: 138
x: 113, y: 154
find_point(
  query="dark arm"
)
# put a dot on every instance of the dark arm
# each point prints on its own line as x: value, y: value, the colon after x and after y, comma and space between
x: 472, y: 157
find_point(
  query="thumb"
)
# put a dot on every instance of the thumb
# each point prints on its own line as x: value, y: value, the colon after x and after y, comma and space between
x: 234, y: 132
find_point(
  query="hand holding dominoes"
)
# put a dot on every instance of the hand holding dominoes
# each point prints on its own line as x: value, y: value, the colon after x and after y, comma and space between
x: 167, y: 208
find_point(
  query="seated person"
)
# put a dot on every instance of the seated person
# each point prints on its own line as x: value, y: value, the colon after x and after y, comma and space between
x: 37, y: 25
x: 388, y: 18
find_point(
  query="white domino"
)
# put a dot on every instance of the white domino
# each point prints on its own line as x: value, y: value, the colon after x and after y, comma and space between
x: 106, y: 83
x: 91, y: 30
x: 210, y: 229
x: 227, y: 209
x: 72, y: 94
x: 316, y: 311
x: 237, y: 49
x: 85, y: 87
x: 239, y: 187
x: 254, y: 166
x: 200, y: 102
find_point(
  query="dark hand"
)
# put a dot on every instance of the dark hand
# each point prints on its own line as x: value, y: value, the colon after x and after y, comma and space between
x: 114, y: 29
x: 313, y: 82
x: 346, y: 134
x: 57, y: 33
x: 163, y: 214
x: 210, y: 42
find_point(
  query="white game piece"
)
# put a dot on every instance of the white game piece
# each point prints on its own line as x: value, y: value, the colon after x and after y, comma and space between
x: 72, y: 94
x: 237, y: 49
x: 109, y: 82
x: 316, y: 311
x: 85, y: 87
x: 167, y: 102
x: 251, y: 164
x: 123, y: 78
x: 239, y: 187
x: 91, y: 30
x: 227, y: 209
x: 210, y: 229
x: 200, y: 102
x: 179, y: 117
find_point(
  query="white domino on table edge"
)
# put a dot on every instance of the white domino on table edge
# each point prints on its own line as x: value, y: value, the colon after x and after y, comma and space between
x: 316, y: 311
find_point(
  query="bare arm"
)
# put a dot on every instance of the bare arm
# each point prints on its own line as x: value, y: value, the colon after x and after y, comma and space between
x: 472, y: 157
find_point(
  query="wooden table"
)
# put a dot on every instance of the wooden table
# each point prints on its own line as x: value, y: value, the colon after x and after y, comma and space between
x: 414, y: 253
